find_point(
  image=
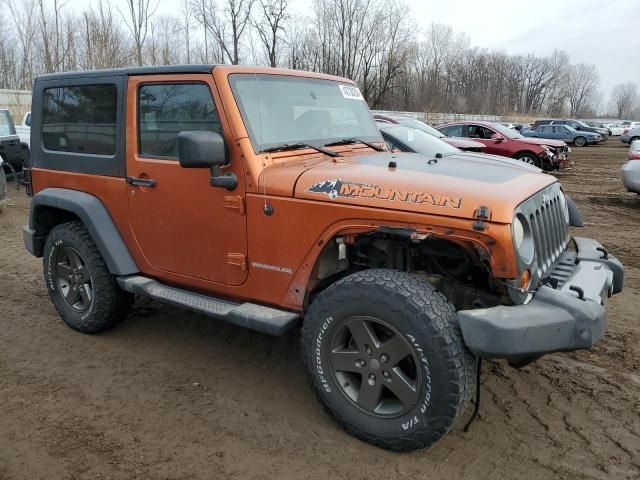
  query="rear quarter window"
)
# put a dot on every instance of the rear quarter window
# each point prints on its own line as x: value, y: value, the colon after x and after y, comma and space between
x: 80, y: 119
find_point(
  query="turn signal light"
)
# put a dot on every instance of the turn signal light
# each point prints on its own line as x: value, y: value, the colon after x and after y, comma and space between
x: 525, y: 279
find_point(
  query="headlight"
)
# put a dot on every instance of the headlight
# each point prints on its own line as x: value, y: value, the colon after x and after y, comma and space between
x: 522, y: 238
x: 550, y: 153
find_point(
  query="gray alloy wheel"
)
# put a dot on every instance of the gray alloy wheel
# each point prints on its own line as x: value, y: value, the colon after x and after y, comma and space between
x: 73, y: 279
x: 375, y: 367
x: 579, y: 141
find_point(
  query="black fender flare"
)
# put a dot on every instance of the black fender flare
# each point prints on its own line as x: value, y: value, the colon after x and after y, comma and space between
x: 93, y: 214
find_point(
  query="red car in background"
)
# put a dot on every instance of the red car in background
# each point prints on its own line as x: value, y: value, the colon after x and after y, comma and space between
x: 461, y: 143
x: 500, y: 140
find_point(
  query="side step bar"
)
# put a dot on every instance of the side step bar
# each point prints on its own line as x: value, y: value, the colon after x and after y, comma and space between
x: 257, y: 317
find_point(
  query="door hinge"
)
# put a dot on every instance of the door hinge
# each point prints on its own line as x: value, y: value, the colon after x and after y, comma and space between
x: 237, y: 260
x: 235, y: 203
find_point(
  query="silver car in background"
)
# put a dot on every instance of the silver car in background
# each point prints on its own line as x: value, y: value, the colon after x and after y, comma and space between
x: 631, y: 169
x: 630, y: 135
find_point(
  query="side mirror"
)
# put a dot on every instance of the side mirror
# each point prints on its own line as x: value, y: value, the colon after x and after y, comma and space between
x: 496, y: 137
x: 201, y: 149
x: 205, y: 149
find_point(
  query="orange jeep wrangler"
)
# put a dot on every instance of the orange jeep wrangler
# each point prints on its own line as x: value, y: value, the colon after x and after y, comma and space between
x: 267, y: 198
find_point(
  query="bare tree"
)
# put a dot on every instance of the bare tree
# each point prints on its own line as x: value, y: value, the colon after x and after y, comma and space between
x: 187, y: 15
x: 102, y: 41
x: 270, y: 26
x: 581, y: 85
x: 625, y: 98
x: 26, y: 26
x: 140, y: 14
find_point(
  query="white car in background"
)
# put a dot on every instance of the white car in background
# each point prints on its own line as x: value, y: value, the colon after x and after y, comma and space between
x: 616, y: 128
x: 24, y: 130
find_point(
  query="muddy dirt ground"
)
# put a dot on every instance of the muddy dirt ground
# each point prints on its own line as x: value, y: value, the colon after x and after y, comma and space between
x: 175, y: 395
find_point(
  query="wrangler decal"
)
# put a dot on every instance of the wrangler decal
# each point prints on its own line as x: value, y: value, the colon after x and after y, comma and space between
x: 342, y: 188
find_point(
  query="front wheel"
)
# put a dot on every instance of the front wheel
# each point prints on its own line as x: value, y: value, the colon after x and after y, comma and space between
x: 530, y: 159
x: 84, y: 292
x: 580, y: 141
x: 387, y: 359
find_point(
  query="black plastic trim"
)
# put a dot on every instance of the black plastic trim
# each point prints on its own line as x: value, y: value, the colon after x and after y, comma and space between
x: 93, y: 214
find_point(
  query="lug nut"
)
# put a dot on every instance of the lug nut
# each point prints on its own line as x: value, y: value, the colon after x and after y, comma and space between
x: 385, y: 374
x: 384, y: 358
x: 359, y: 363
x: 372, y: 379
x: 368, y: 350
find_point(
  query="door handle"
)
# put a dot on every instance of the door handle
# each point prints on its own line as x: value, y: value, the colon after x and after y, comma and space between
x: 141, y: 182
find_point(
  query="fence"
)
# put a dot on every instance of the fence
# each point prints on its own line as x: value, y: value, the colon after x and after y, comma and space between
x: 438, y: 118
x: 17, y: 101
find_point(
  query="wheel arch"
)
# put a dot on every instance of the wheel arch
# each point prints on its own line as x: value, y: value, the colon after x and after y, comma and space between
x: 522, y: 152
x: 53, y: 206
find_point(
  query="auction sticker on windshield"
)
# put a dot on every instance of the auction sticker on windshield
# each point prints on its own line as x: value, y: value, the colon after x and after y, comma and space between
x: 349, y: 91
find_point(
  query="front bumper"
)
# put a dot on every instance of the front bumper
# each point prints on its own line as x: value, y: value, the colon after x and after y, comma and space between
x: 631, y: 176
x: 570, y: 316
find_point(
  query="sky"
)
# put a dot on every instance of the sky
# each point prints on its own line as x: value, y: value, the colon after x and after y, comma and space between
x: 601, y: 32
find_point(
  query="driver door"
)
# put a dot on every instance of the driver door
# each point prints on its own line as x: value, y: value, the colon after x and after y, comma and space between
x: 183, y: 225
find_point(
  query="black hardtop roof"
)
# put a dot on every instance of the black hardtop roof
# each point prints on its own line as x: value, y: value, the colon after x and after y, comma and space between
x: 116, y: 72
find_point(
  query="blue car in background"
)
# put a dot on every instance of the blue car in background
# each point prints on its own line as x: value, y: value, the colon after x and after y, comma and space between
x: 565, y: 133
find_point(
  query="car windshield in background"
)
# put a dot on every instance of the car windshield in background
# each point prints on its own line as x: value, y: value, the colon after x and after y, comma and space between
x: 415, y: 123
x: 420, y: 141
x: 506, y: 131
x: 279, y: 110
x: 6, y: 125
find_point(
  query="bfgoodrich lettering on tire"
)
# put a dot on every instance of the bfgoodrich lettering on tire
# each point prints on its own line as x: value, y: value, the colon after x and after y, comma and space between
x: 80, y: 285
x: 387, y: 359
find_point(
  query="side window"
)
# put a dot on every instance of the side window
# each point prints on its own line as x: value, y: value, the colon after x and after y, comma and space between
x: 164, y: 110
x: 6, y: 126
x: 80, y: 119
x: 546, y: 129
x: 453, y: 131
x: 476, y: 131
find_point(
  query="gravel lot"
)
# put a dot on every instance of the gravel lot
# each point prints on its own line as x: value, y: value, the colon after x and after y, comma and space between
x: 174, y: 395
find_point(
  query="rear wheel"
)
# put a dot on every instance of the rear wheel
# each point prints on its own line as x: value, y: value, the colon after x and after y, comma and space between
x: 530, y: 159
x: 633, y: 139
x: 84, y: 292
x: 580, y: 141
x: 387, y: 359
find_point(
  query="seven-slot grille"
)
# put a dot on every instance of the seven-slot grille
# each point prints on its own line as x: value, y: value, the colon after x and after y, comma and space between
x: 550, y: 231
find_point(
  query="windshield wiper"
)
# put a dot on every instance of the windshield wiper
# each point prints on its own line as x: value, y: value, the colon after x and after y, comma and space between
x: 348, y: 141
x: 297, y: 146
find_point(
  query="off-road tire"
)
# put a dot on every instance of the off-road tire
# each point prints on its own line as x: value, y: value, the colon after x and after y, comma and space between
x: 530, y: 159
x: 109, y: 304
x: 427, y: 321
x: 580, y: 142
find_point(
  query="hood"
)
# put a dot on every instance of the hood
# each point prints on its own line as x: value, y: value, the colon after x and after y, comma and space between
x: 542, y: 141
x: 455, y: 185
x: 462, y: 143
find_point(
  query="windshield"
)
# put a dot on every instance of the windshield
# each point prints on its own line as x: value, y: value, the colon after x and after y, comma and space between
x: 582, y: 124
x: 419, y: 141
x: 279, y: 110
x: 6, y: 125
x: 506, y: 132
x: 415, y: 123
